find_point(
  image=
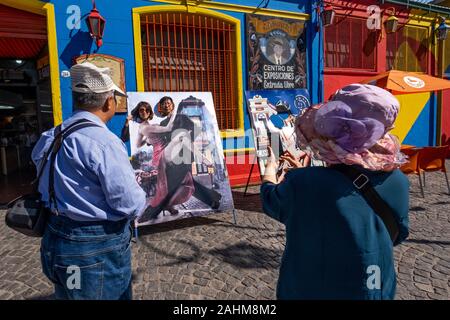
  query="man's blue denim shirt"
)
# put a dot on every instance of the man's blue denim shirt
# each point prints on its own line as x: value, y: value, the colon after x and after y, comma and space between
x: 94, y: 179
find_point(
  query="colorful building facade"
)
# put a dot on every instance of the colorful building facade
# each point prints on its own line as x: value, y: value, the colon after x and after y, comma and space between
x: 149, y: 40
x: 444, y: 68
x: 183, y: 45
x: 357, y: 46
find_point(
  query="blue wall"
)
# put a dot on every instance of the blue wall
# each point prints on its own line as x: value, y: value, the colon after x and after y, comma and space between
x: 423, y: 132
x: 118, y: 41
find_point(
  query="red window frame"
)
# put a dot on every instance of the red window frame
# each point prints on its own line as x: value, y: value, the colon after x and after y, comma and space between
x: 350, y: 45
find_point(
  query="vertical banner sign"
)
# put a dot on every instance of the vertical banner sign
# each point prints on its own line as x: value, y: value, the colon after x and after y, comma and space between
x: 276, y: 51
x: 272, y: 116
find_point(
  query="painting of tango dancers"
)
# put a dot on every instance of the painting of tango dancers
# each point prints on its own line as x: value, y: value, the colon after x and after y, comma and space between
x: 177, y: 155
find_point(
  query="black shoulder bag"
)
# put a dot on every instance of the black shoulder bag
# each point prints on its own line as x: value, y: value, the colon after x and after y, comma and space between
x: 27, y: 214
x: 364, y: 186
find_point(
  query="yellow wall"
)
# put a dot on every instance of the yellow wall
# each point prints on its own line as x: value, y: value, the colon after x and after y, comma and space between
x: 411, y: 105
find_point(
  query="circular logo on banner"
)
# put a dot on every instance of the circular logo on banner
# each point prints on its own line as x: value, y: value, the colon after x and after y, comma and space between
x: 301, y: 103
x: 414, y: 82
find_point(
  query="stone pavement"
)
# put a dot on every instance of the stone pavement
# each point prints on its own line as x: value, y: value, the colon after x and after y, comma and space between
x: 211, y: 258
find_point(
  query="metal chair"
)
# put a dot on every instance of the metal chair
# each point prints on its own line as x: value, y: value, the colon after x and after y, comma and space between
x: 412, y: 167
x: 433, y: 159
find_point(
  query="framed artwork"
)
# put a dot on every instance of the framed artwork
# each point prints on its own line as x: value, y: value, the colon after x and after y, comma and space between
x: 177, y: 155
x: 117, y: 67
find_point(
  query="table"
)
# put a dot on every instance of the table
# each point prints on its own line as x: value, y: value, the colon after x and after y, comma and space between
x: 407, y: 146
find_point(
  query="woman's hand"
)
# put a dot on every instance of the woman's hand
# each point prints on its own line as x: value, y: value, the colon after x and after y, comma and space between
x: 281, y: 176
x: 303, y: 161
x: 290, y: 120
x: 270, y: 172
x: 287, y: 162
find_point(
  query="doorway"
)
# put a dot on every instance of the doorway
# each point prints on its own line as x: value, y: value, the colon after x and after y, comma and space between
x: 25, y: 97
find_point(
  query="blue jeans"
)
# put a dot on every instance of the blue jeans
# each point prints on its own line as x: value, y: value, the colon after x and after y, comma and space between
x: 88, y: 260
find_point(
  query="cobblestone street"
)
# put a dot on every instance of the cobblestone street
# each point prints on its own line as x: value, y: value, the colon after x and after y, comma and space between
x: 211, y: 258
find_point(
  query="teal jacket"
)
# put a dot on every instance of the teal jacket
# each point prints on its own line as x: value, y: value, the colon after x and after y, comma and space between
x: 336, y: 246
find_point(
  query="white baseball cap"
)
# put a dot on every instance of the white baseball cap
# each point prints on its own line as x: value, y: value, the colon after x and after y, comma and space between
x: 88, y: 78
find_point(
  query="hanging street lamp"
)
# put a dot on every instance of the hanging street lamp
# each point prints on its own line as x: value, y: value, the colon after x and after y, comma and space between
x: 391, y: 23
x: 442, y: 30
x: 327, y: 15
x: 96, y: 25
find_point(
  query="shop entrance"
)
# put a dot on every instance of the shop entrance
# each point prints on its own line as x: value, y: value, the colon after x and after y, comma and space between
x: 25, y: 97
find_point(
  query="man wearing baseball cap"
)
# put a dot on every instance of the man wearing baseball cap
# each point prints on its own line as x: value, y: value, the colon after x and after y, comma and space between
x: 85, y: 250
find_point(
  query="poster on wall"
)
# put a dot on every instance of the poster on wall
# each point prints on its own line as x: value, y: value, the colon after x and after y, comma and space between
x: 177, y: 155
x: 276, y: 51
x: 272, y: 116
x: 117, y: 69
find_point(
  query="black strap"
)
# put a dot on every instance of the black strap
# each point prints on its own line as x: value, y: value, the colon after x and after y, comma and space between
x: 54, y: 148
x: 46, y: 154
x: 364, y: 186
x: 56, y: 133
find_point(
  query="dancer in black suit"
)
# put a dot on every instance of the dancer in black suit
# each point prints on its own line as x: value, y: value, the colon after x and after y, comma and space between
x: 176, y: 172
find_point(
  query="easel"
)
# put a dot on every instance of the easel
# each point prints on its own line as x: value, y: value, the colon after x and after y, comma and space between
x: 255, y: 159
x: 234, y: 216
x: 136, y: 234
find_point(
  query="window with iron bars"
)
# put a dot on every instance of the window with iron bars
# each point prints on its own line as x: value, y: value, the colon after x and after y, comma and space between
x: 407, y: 49
x: 192, y: 52
x: 349, y: 44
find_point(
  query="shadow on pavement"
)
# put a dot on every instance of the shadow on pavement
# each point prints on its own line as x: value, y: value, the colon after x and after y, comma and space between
x: 237, y: 226
x: 441, y: 203
x: 424, y: 241
x: 242, y: 255
x: 175, y: 225
x: 177, y: 259
x: 249, y: 202
x: 248, y: 256
x: 47, y: 297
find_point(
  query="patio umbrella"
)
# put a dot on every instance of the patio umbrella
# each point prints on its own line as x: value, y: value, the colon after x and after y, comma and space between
x: 407, y: 82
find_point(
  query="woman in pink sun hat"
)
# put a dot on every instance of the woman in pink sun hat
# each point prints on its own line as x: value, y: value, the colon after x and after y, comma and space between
x: 342, y: 220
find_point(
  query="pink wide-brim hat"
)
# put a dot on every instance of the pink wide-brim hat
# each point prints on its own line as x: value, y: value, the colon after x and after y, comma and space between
x: 353, y: 128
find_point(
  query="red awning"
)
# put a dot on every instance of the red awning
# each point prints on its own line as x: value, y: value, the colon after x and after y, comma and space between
x: 22, y: 34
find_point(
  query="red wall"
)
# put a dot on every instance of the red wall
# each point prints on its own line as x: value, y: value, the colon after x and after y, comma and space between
x: 333, y: 81
x: 239, y: 167
x: 445, y: 117
x: 338, y: 78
